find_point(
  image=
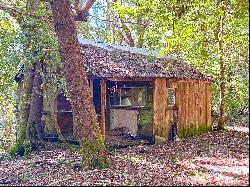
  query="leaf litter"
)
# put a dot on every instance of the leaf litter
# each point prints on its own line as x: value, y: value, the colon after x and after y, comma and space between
x: 215, y: 158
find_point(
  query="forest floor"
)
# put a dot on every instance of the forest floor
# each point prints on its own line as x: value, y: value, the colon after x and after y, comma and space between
x: 215, y: 158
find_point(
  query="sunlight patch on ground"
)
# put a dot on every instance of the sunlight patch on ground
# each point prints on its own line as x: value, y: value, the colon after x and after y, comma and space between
x: 212, y: 179
x: 239, y: 128
x: 222, y: 171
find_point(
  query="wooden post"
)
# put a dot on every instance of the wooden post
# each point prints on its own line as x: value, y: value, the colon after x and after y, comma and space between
x: 103, y: 107
x: 180, y: 108
x: 155, y: 107
x: 91, y: 85
x: 166, y: 121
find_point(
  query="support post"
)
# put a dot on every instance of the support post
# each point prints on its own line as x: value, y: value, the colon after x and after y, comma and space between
x: 103, y: 107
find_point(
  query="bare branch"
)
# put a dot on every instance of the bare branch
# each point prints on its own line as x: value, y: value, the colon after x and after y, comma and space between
x: 82, y: 14
x: 14, y: 12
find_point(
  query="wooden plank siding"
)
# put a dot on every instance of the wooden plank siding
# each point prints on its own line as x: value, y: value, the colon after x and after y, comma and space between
x: 208, y: 104
x: 196, y: 104
x: 180, y: 108
x: 191, y: 105
x: 204, y: 107
x: 193, y: 101
x: 160, y: 99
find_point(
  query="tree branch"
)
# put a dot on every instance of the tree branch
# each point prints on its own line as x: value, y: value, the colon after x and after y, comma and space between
x: 14, y: 12
x: 82, y: 13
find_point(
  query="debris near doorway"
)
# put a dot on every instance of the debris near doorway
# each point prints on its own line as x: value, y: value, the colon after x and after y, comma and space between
x: 121, y: 137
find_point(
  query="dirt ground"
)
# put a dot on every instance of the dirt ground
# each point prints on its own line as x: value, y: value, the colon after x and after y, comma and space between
x: 216, y: 158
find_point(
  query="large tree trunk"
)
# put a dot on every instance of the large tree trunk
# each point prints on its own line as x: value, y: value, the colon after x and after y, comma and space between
x: 34, y: 130
x: 24, y: 105
x: 85, y: 123
x: 30, y: 129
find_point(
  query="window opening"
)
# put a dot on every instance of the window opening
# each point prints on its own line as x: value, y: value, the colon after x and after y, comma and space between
x: 171, y: 97
x: 127, y: 96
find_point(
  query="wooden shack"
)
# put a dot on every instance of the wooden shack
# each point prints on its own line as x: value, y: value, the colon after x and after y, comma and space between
x: 137, y: 90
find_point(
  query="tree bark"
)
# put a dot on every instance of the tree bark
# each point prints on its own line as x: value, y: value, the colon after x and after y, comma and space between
x: 85, y: 124
x: 81, y: 12
x: 221, y: 122
x: 34, y: 130
x: 24, y: 105
x: 29, y: 127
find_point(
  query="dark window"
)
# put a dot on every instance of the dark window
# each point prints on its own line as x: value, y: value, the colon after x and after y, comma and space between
x: 127, y: 96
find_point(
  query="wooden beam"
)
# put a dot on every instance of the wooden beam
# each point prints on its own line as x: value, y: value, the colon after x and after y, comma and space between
x: 91, y: 84
x: 129, y: 79
x: 193, y: 80
x: 103, y: 108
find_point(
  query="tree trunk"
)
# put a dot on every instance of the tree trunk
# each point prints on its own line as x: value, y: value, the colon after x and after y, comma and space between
x: 34, y: 130
x: 24, y: 105
x: 30, y: 127
x: 85, y: 124
x: 221, y: 122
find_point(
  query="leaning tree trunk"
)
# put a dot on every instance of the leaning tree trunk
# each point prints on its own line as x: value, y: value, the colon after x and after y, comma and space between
x: 85, y: 122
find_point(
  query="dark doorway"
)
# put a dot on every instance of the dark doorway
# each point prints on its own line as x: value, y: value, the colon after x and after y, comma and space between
x: 97, y: 97
x: 64, y: 115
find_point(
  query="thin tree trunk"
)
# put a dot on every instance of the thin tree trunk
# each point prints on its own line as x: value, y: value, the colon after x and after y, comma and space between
x: 221, y: 122
x: 85, y: 124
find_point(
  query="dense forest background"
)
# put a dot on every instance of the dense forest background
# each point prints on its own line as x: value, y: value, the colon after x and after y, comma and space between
x: 212, y: 35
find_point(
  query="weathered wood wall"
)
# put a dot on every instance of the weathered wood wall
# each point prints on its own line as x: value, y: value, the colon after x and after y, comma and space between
x: 193, y: 106
x: 161, y: 125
